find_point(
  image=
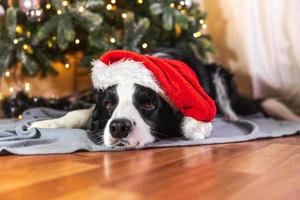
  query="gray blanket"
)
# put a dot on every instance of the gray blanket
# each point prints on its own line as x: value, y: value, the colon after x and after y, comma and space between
x: 17, y: 138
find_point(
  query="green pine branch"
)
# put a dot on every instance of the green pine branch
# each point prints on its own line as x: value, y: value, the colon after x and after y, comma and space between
x: 97, y: 27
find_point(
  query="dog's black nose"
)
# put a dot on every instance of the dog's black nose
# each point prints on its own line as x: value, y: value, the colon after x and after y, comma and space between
x: 119, y: 128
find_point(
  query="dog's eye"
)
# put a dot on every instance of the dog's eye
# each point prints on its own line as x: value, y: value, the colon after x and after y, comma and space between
x: 109, y: 105
x: 149, y: 105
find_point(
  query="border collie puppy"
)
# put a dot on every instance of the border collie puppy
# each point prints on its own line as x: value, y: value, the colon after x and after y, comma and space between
x: 132, y: 111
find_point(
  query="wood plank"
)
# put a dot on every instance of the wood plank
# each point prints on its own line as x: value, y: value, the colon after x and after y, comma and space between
x: 264, y: 169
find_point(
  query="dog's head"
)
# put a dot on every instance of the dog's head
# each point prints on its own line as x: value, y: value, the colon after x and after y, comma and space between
x: 144, y: 98
x: 130, y: 114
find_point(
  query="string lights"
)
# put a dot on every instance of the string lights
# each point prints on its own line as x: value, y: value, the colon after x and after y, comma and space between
x: 11, y: 89
x: 124, y: 15
x: 25, y: 46
x: 38, y: 13
x: 27, y: 87
x: 144, y: 45
x: 67, y: 65
x: 48, y: 6
x: 65, y: 3
x: 197, y: 34
x: 80, y: 9
x: 7, y: 74
x: 108, y: 7
x: 19, y: 29
x: 50, y: 44
x: 112, y: 40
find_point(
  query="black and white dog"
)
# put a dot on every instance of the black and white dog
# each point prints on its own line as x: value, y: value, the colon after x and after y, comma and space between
x: 129, y: 114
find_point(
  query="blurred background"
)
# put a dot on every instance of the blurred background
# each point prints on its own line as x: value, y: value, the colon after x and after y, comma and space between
x: 46, y: 45
x: 259, y: 41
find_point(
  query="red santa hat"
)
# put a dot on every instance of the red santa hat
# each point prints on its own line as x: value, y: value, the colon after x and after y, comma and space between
x: 171, y: 79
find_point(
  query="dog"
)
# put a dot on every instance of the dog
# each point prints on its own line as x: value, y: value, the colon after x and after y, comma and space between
x: 128, y: 114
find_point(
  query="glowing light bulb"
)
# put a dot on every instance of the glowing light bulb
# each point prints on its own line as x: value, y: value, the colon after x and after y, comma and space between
x: 65, y: 3
x: 112, y: 40
x: 172, y: 5
x: 25, y: 46
x: 15, y: 41
x: 81, y: 9
x: 113, y: 1
x: 59, y: 12
x: 197, y: 34
x: 7, y: 73
x: 27, y: 4
x: 38, y: 13
x: 48, y: 6
x: 67, y: 65
x: 11, y: 89
x: 124, y: 15
x: 144, y: 45
x: 20, y: 117
x: 50, y: 44
x: 140, y: 1
x: 108, y: 7
x: 27, y: 87
x: 77, y: 41
x: 201, y: 21
x: 204, y: 26
x: 19, y: 29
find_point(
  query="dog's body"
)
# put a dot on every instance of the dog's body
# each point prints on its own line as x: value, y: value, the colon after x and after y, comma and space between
x: 129, y: 114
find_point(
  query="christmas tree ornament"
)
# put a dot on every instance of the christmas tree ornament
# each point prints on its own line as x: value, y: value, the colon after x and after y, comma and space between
x: 159, y: 74
x: 32, y: 8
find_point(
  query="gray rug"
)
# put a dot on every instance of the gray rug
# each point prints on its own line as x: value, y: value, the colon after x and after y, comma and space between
x: 16, y: 138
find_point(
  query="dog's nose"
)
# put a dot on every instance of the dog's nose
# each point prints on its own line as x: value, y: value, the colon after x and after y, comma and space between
x: 119, y: 128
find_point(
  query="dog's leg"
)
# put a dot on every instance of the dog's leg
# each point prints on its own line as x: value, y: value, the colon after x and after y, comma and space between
x: 222, y: 99
x: 195, y: 130
x: 278, y: 110
x: 73, y: 119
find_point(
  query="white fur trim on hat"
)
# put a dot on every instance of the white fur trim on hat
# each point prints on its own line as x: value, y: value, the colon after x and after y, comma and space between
x: 123, y: 71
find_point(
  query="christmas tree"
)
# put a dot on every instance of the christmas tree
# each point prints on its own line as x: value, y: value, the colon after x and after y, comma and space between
x: 33, y: 33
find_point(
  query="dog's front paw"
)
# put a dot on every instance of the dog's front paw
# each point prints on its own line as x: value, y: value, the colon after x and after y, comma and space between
x: 44, y: 124
x: 195, y: 130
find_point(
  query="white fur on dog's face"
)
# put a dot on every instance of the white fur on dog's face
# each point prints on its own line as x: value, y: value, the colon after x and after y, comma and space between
x: 141, y: 132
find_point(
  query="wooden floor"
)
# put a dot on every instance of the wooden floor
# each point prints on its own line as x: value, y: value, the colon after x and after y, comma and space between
x: 264, y: 169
